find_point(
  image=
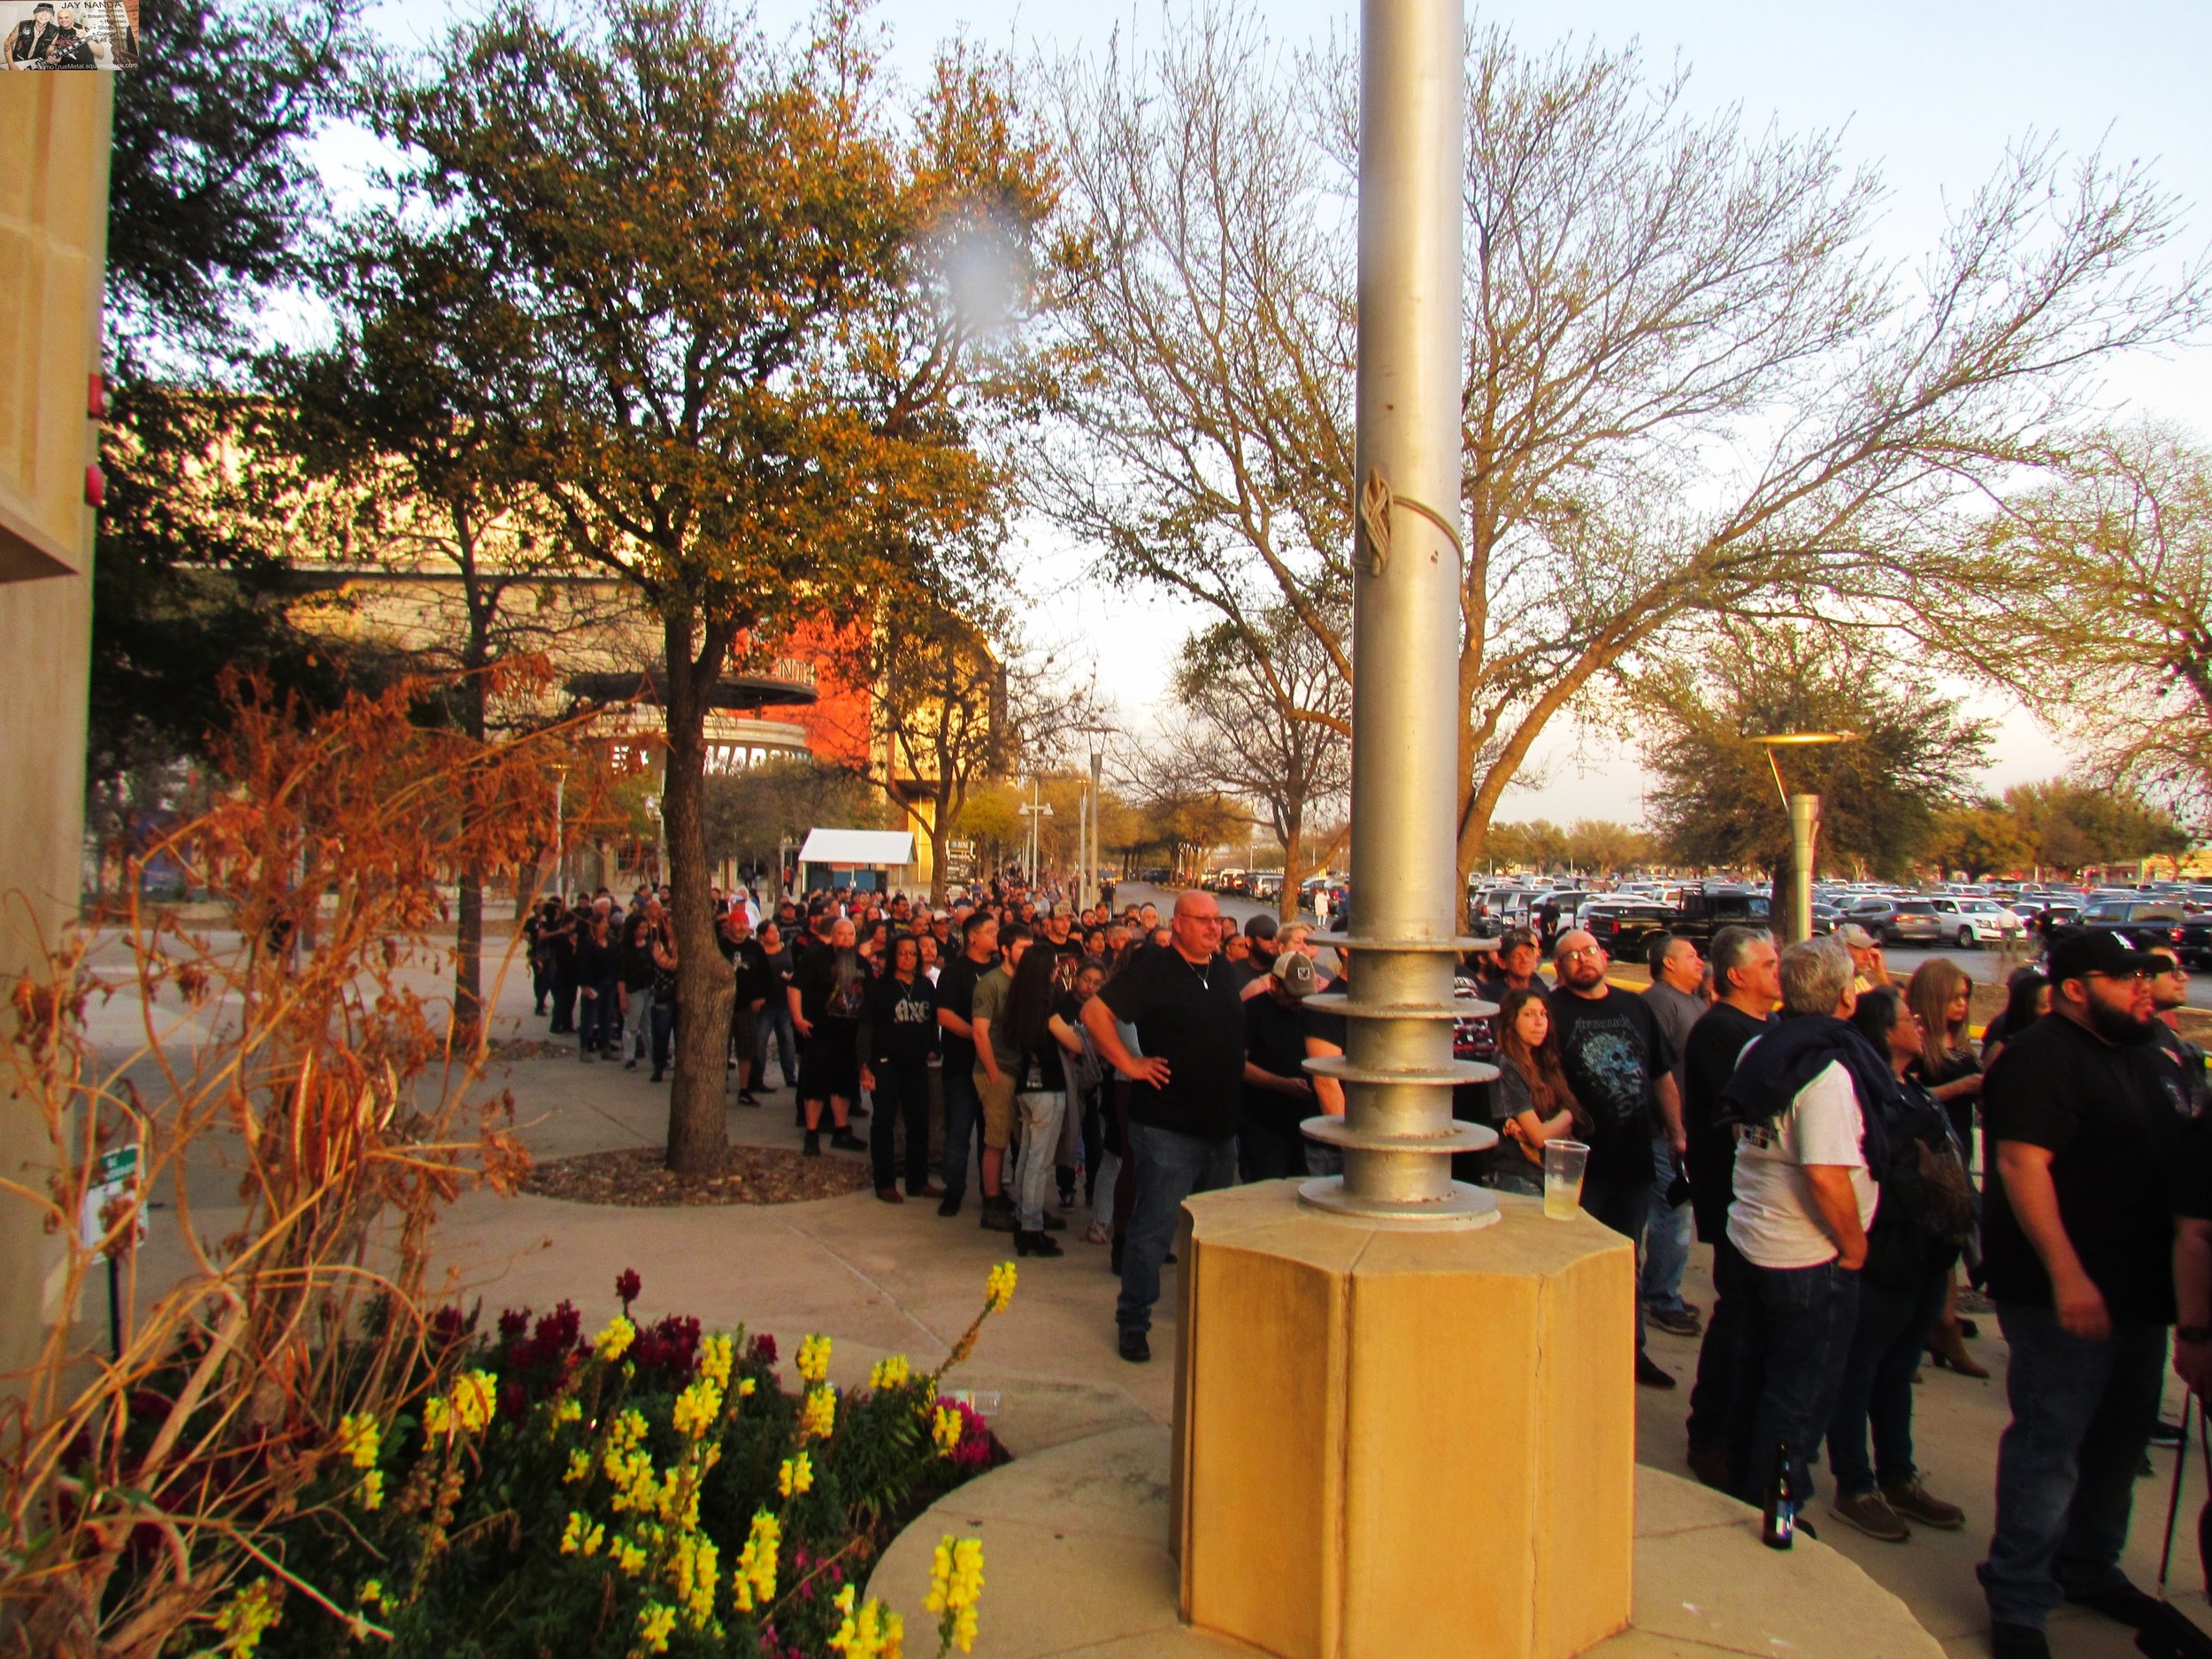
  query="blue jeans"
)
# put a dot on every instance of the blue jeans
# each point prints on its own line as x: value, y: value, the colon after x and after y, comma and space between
x: 1894, y: 1323
x: 2082, y: 1412
x: 663, y: 1020
x: 1714, y: 1425
x: 775, y: 1027
x: 1666, y: 1238
x: 1041, y: 1116
x: 1169, y: 1167
x: 1620, y: 1205
x: 964, y: 1127
x: 1797, y: 1334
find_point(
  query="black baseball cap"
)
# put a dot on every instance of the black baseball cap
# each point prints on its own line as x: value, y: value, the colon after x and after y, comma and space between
x: 2085, y: 951
x: 1260, y: 926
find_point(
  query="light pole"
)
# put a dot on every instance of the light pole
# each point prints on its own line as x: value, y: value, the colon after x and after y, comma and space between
x: 1398, y: 1133
x: 1098, y: 802
x: 1804, y: 813
x: 1034, y: 809
x: 560, y: 831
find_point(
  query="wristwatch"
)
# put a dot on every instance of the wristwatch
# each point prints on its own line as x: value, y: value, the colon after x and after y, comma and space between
x: 2193, y: 1333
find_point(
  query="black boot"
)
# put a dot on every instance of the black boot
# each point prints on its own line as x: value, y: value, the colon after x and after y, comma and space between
x: 813, y: 1147
x: 998, y: 1214
x: 846, y: 1141
x: 1036, y: 1244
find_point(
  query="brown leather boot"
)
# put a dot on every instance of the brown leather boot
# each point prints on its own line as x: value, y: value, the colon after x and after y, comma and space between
x: 1948, y: 1348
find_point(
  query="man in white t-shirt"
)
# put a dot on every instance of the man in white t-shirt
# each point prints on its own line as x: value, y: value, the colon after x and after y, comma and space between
x: 1803, y: 1200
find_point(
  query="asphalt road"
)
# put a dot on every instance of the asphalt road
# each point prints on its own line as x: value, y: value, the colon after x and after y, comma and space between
x: 1984, y: 967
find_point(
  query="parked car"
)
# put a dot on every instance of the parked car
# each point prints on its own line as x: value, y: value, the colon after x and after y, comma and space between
x: 1899, y: 921
x: 2142, y: 922
x: 1972, y: 922
x: 1703, y: 911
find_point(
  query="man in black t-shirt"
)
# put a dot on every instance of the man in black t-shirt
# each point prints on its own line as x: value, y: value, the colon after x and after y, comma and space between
x: 1278, y: 1093
x: 1746, y: 986
x: 1182, y: 1110
x: 2083, y: 1114
x: 1619, y: 1064
x: 955, y: 1011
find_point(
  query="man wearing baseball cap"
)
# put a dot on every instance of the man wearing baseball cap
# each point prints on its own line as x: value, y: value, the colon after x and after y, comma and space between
x: 2083, y: 1115
x: 1866, y: 957
x: 1278, y: 1092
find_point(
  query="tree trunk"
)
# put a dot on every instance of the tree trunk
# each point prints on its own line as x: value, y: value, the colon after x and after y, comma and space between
x: 698, y: 1134
x: 1294, y: 871
x: 468, y: 924
x: 940, y: 838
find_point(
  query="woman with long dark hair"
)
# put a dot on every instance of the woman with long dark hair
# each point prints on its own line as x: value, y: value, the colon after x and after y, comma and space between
x: 1531, y: 1101
x: 898, y: 1040
x: 598, y: 988
x: 1926, y: 1209
x: 2027, y: 999
x: 1940, y: 996
x: 1037, y: 1020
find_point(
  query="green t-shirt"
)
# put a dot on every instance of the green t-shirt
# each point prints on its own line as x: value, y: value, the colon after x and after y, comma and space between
x: 991, y: 993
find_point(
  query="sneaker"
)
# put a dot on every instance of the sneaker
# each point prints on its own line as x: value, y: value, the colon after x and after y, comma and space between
x: 1650, y: 1376
x: 1135, y: 1347
x: 2122, y: 1602
x: 949, y: 1208
x: 2017, y: 1641
x: 846, y: 1141
x: 813, y: 1147
x: 1676, y: 1321
x: 1871, y: 1516
x: 890, y: 1194
x: 745, y: 1097
x: 629, y: 1065
x: 927, y: 1189
x: 1914, y: 1502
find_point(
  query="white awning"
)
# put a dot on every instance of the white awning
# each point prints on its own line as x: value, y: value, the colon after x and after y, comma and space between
x: 858, y: 846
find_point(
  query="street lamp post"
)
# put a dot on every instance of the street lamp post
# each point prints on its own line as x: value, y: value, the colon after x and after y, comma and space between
x: 1036, y: 810
x: 1398, y: 1133
x: 1804, y: 812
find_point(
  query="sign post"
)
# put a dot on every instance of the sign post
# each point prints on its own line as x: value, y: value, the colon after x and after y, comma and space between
x: 114, y: 1176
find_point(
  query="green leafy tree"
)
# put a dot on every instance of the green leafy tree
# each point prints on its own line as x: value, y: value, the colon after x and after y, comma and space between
x: 749, y: 812
x: 747, y: 375
x: 2068, y: 825
x: 1983, y: 839
x: 1714, y: 800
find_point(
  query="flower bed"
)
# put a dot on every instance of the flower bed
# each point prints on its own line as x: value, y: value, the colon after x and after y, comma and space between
x: 652, y: 1490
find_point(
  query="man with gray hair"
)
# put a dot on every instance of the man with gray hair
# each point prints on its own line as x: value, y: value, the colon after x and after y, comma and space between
x: 1804, y: 1099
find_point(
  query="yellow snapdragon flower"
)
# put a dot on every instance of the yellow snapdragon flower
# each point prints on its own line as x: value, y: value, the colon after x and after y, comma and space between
x: 890, y: 1373
x: 653, y: 1623
x: 475, y: 1400
x: 869, y: 1631
x: 716, y: 1354
x: 568, y: 1410
x: 613, y: 1342
x: 359, y: 1439
x: 754, y: 1583
x: 946, y: 1429
x: 246, y: 1618
x: 371, y: 1592
x: 370, y: 1494
x: 578, y: 1468
x: 796, y: 1475
x: 627, y: 1555
x: 745, y: 1387
x: 697, y: 1408
x: 956, y: 1585
x: 584, y: 1535
x: 818, y: 1417
x: 814, y: 1358
x: 998, y: 1289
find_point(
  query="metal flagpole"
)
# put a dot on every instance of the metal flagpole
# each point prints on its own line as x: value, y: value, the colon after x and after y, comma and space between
x: 1405, y: 915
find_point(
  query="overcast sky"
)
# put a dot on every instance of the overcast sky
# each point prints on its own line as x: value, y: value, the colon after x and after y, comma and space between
x: 1931, y: 92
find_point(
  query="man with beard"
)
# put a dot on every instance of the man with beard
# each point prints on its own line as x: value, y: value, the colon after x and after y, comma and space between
x: 2082, y: 1116
x: 1621, y: 1067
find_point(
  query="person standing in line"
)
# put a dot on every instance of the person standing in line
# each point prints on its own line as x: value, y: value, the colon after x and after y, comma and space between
x: 598, y: 986
x: 1532, y: 1102
x: 734, y: 935
x: 1677, y: 995
x: 1869, y: 970
x: 955, y: 1009
x: 1034, y: 1020
x: 662, y: 945
x: 899, y: 1035
x: 1620, y: 1067
x: 1277, y: 1094
x: 1182, y: 1093
x: 1748, y: 988
x: 1514, y: 968
x: 2084, y: 1116
x: 826, y: 995
x: 773, y: 967
x: 561, y: 935
x: 995, y: 1060
x: 1805, y: 1100
x: 1940, y: 995
x: 2170, y: 992
x: 1926, y: 1211
x: 635, y: 965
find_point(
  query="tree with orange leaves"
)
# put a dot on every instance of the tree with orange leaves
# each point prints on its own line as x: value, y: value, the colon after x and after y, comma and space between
x: 761, y: 339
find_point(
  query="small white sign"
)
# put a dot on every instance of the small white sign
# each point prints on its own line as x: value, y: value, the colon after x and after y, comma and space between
x: 114, y: 1175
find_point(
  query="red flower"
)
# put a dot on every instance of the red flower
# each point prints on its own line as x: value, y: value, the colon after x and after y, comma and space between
x: 626, y: 1286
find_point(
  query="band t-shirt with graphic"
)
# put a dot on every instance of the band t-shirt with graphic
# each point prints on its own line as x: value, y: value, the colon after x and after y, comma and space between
x: 1614, y: 1054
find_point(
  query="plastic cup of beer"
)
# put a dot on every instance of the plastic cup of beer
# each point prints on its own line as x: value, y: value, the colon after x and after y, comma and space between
x: 1563, y: 1163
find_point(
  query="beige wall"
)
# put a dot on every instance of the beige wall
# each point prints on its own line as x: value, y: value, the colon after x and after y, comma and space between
x: 53, y: 238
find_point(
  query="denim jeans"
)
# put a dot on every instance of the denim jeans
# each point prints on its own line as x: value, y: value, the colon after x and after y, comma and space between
x: 2082, y: 1412
x: 1894, y: 1325
x: 637, y: 1024
x: 901, y: 1093
x: 1168, y: 1168
x: 963, y: 1122
x: 599, y: 1018
x: 1666, y: 1238
x: 1797, y: 1334
x: 775, y: 1027
x: 1040, y: 1116
x: 663, y: 1021
x: 1620, y: 1205
x: 1714, y: 1425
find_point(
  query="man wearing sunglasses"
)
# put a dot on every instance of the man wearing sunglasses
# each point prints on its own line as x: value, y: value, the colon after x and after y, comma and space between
x: 2082, y: 1113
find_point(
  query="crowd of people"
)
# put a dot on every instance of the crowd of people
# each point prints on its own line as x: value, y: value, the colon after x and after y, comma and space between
x: 1807, y: 1116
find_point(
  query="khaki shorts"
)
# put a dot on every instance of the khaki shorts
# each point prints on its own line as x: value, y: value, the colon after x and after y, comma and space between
x: 998, y: 1109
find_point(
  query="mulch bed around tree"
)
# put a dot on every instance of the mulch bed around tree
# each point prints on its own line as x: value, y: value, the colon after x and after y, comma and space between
x: 750, y: 1175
